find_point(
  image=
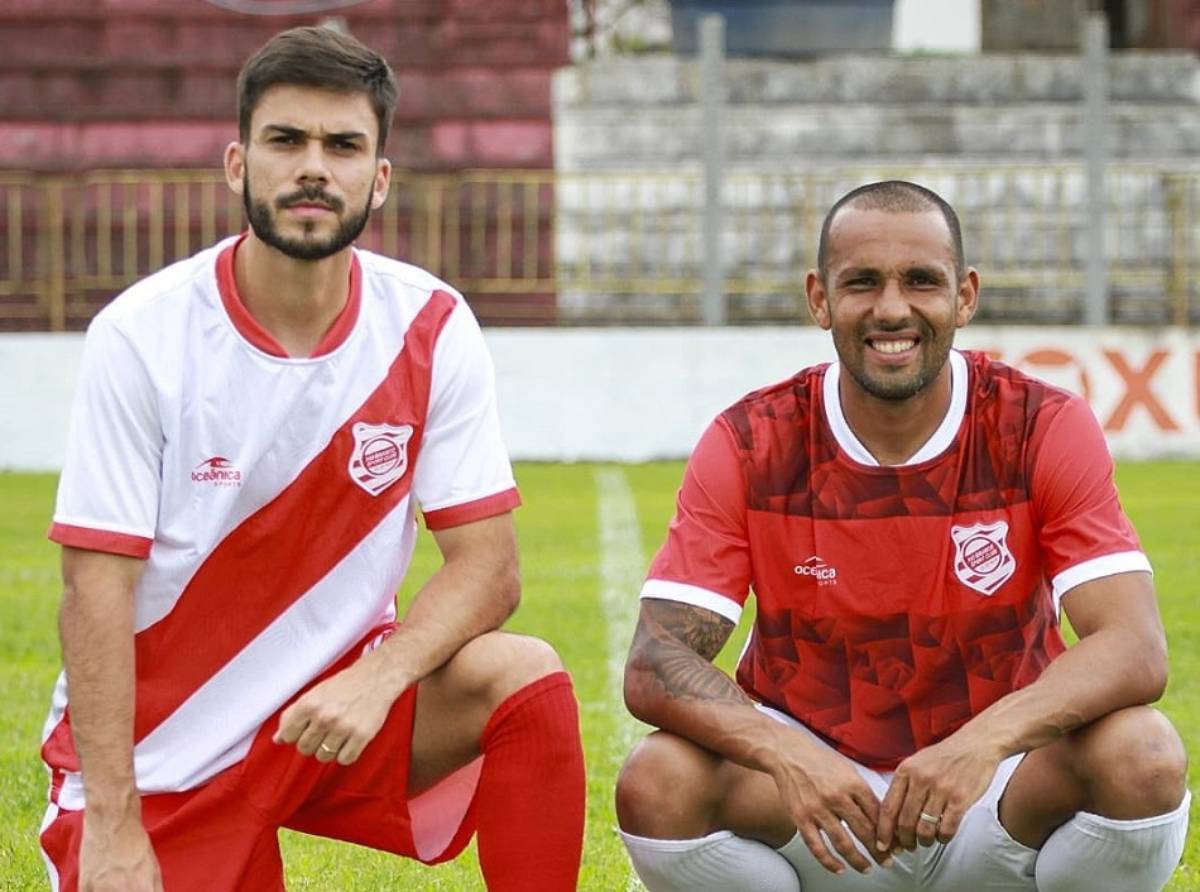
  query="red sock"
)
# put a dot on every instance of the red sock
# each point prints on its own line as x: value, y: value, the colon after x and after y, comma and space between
x: 529, y: 805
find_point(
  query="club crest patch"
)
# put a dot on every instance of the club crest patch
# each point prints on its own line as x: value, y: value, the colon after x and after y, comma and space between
x: 380, y: 455
x: 982, y: 560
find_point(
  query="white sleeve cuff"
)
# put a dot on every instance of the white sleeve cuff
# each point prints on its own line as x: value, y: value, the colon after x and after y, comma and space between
x: 694, y: 595
x: 1096, y: 568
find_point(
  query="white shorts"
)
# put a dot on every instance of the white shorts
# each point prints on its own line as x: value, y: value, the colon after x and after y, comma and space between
x: 981, y: 856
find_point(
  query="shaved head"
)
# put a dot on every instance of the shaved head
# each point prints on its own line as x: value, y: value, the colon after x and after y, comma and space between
x: 895, y: 197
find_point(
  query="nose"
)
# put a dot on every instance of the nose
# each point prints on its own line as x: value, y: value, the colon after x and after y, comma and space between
x: 891, y: 305
x: 312, y: 163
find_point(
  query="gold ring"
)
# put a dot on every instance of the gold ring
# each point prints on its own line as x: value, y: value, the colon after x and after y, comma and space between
x: 930, y: 819
x: 332, y: 751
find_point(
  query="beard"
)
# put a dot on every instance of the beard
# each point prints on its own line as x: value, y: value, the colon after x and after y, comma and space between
x: 901, y: 385
x: 263, y: 221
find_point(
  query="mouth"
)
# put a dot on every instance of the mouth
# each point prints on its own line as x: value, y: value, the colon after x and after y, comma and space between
x: 893, y: 347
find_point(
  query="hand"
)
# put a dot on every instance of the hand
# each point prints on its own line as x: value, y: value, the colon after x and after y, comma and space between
x: 338, y: 717
x: 941, y: 781
x: 117, y: 858
x: 821, y: 789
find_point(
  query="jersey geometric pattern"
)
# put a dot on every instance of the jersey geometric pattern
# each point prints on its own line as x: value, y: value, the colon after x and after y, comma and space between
x: 879, y: 626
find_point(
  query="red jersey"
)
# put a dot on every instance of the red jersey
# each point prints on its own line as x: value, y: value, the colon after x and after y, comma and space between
x: 894, y: 603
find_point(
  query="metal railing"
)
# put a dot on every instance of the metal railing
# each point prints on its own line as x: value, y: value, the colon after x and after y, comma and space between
x: 623, y: 247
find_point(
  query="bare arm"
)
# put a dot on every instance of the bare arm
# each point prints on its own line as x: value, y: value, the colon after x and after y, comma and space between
x: 475, y: 590
x: 670, y: 682
x: 1120, y: 661
x: 96, y: 628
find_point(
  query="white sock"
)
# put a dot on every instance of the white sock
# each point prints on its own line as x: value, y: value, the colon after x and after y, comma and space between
x: 719, y: 862
x: 1090, y: 853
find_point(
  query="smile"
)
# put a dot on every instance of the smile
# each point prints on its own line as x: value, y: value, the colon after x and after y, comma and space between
x: 894, y: 346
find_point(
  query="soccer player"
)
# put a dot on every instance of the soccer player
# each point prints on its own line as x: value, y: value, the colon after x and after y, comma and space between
x: 905, y: 714
x: 254, y: 430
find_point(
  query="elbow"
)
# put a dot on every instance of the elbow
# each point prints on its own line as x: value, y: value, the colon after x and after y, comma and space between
x: 1155, y: 674
x: 638, y: 689
x: 1149, y: 656
x: 508, y: 584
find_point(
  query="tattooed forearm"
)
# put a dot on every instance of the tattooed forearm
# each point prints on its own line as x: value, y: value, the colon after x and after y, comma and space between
x: 673, y: 648
x: 702, y: 631
x: 684, y: 676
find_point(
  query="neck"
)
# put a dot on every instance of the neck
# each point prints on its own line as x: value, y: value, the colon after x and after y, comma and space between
x: 894, y: 430
x: 295, y: 300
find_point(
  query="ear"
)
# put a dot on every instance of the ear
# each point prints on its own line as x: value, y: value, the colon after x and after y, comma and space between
x: 382, y: 183
x: 968, y: 298
x: 818, y: 299
x: 235, y: 166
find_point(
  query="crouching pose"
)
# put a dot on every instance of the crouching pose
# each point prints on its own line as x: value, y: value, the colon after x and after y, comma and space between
x: 254, y: 432
x: 911, y: 519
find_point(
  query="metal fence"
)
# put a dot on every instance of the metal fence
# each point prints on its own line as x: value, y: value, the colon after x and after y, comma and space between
x: 539, y: 247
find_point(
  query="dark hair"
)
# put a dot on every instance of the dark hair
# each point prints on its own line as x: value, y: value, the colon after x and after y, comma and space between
x: 896, y: 197
x: 322, y: 58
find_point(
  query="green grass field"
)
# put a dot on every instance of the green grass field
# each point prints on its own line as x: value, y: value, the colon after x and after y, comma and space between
x: 582, y: 556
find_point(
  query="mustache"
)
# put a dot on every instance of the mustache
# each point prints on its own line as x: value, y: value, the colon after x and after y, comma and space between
x: 310, y: 195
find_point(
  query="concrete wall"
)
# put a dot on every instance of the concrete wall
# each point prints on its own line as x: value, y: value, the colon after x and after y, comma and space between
x: 634, y: 395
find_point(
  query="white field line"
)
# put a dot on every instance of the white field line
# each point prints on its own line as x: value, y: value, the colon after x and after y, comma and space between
x: 622, y: 569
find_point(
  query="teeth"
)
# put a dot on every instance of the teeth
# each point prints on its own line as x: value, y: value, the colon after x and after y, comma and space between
x: 893, y: 346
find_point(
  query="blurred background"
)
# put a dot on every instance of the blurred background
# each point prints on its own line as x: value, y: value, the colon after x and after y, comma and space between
x: 608, y: 166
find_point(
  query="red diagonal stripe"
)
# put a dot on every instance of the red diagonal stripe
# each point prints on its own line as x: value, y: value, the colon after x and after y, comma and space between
x: 277, y: 554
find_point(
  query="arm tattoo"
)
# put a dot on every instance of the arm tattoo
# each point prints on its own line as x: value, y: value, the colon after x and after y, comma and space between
x: 675, y: 644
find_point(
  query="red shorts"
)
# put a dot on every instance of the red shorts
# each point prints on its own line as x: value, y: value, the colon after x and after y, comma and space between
x: 223, y: 836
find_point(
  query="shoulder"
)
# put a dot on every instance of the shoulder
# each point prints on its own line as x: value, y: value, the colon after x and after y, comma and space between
x: 152, y: 313
x: 394, y: 281
x: 166, y: 290
x: 1000, y: 388
x: 777, y: 408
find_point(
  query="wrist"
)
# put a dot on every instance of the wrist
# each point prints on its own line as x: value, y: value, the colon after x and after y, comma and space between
x: 386, y: 673
x: 111, y: 809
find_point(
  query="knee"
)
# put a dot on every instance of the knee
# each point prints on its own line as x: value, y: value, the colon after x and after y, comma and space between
x: 497, y: 664
x: 663, y: 789
x: 1134, y: 764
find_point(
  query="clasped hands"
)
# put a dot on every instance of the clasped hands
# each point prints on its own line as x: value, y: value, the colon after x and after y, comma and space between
x: 831, y: 804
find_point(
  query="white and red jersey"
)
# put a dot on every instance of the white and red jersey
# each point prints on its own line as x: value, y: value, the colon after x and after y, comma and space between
x: 894, y: 603
x: 273, y: 498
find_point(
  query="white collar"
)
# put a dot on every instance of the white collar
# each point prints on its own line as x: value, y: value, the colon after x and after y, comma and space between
x: 938, y: 443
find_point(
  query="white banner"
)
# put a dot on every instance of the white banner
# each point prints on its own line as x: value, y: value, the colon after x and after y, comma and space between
x: 639, y: 394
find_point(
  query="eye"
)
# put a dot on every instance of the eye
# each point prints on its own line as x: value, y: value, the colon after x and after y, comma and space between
x: 344, y: 145
x: 284, y: 139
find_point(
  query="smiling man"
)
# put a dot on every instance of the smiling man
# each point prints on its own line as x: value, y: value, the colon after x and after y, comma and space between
x: 254, y: 430
x: 905, y: 714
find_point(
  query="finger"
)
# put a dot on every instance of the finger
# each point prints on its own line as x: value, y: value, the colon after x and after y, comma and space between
x: 863, y: 822
x: 844, y: 843
x: 910, y: 813
x: 816, y: 844
x: 951, y: 819
x: 929, y: 820
x: 328, y: 749
x: 312, y: 738
x: 291, y: 725
x: 889, y: 810
x: 351, y: 749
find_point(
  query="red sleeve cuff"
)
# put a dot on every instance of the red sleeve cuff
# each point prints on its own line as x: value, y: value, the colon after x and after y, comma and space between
x: 468, y: 512
x: 100, y: 540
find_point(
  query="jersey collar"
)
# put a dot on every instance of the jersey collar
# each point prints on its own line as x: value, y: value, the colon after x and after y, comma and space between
x: 250, y: 329
x: 938, y: 443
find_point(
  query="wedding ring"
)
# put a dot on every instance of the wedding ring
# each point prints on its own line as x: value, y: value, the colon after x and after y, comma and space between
x: 332, y: 751
x: 930, y: 819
